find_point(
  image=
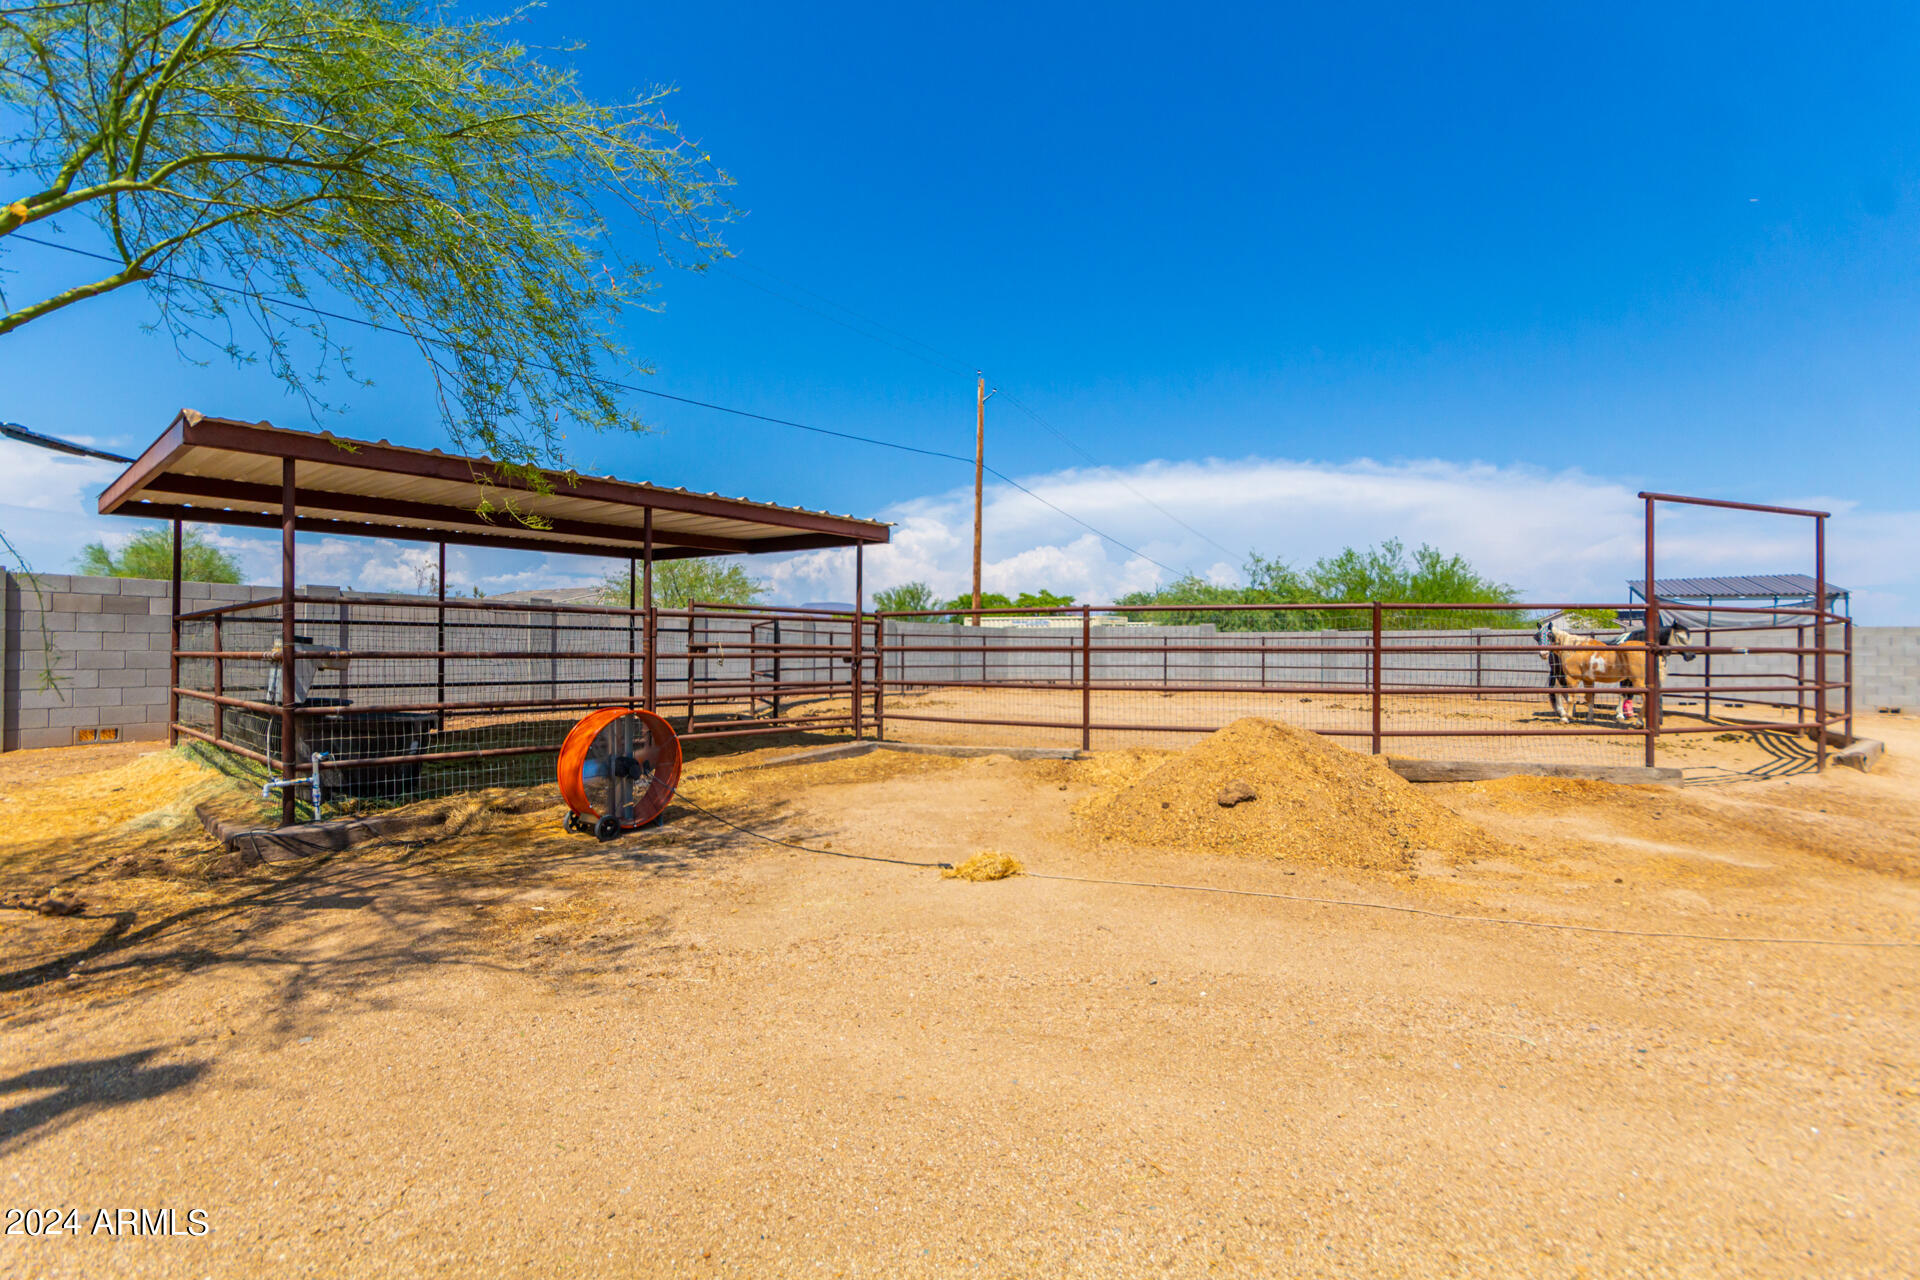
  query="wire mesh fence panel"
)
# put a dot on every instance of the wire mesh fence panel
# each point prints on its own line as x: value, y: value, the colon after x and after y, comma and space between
x: 1440, y: 687
x: 737, y: 672
x: 403, y: 698
x: 1487, y: 694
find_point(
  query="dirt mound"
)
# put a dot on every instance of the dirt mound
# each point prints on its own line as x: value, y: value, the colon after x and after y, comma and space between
x: 1316, y: 802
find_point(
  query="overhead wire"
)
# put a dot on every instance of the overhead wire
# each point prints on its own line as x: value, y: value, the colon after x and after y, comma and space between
x: 1017, y: 403
x: 950, y: 364
x: 941, y: 365
x: 855, y: 437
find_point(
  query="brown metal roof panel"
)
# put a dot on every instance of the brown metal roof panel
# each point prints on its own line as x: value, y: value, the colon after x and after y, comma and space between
x: 250, y: 453
x: 326, y: 448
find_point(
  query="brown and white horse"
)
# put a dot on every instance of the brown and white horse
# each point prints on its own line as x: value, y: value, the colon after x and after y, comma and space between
x: 1590, y: 661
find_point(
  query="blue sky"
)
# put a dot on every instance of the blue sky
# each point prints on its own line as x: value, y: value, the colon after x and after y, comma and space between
x: 1300, y: 276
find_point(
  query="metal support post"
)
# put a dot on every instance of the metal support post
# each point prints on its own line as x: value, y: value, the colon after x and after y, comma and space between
x: 1650, y: 623
x: 650, y: 678
x: 173, y: 648
x: 289, y: 766
x: 859, y: 633
x: 1820, y: 641
x: 1086, y: 677
x: 1378, y: 678
x: 439, y: 632
x: 880, y: 677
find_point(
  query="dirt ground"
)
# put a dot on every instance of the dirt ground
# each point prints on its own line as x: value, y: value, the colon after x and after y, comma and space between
x: 510, y: 1051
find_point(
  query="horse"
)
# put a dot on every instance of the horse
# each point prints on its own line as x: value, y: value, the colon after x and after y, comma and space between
x: 1590, y: 661
x: 1672, y: 635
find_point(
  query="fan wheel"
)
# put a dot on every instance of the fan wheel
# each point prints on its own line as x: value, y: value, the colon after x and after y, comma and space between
x: 618, y: 770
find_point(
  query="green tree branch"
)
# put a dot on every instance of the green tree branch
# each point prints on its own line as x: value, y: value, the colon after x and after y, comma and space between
x: 436, y: 174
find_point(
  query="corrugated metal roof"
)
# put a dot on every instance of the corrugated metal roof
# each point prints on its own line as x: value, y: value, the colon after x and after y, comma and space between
x: 220, y: 471
x: 1758, y: 586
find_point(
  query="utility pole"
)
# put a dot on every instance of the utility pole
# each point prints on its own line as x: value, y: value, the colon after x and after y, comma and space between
x: 979, y: 476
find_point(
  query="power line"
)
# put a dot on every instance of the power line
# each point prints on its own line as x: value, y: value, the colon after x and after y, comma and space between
x: 1021, y: 406
x: 614, y: 382
x: 948, y: 363
x: 941, y: 364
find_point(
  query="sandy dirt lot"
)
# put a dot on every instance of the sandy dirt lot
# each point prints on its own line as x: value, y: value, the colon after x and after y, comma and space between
x: 510, y: 1051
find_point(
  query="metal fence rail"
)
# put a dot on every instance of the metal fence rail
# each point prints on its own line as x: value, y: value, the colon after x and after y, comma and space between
x: 1370, y: 674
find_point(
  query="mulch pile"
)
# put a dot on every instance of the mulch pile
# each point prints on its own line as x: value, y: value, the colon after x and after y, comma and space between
x: 1312, y: 801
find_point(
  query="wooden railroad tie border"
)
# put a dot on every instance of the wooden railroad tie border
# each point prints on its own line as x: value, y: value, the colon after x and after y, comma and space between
x: 307, y: 839
x: 1487, y: 770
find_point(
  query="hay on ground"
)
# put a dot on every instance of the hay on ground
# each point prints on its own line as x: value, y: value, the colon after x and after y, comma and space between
x: 1316, y: 802
x: 988, y: 864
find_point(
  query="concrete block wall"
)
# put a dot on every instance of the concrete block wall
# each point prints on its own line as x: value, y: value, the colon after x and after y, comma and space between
x: 1886, y: 668
x: 103, y: 642
x: 1201, y: 655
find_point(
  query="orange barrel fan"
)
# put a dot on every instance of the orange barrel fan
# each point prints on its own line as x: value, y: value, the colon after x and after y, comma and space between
x: 618, y: 769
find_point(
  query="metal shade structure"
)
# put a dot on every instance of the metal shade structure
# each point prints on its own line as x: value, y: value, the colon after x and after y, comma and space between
x: 221, y: 471
x: 1779, y: 591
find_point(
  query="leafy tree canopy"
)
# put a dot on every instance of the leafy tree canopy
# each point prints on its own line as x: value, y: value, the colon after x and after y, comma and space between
x: 434, y: 174
x: 150, y: 555
x: 999, y: 600
x: 905, y: 598
x: 1352, y: 577
x: 678, y: 583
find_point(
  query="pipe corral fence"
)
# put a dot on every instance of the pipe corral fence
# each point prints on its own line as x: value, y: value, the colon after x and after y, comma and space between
x: 404, y: 699
x: 388, y: 699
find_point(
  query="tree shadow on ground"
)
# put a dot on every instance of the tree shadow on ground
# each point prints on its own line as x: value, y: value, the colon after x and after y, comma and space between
x: 505, y: 891
x: 72, y: 1088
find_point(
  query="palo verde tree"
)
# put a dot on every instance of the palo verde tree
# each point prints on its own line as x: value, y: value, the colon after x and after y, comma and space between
x: 696, y: 580
x: 246, y: 161
x: 906, y: 597
x: 1343, y: 586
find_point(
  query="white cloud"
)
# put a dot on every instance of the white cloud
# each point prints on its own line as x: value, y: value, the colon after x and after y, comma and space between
x: 41, y: 480
x: 1554, y: 535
